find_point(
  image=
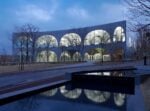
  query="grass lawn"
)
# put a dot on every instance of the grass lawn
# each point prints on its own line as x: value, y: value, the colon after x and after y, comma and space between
x: 28, y: 67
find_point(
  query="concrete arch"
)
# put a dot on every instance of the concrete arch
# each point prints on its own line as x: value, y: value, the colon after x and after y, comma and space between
x: 76, y: 56
x: 97, y: 54
x: 118, y: 54
x: 87, y: 57
x: 70, y: 39
x: 71, y: 94
x: 46, y: 41
x: 65, y: 56
x: 97, y: 37
x: 46, y: 56
x: 119, y: 34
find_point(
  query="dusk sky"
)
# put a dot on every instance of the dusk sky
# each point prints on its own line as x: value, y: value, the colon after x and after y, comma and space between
x: 55, y: 15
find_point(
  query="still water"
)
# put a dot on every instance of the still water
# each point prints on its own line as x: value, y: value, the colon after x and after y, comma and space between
x: 64, y: 98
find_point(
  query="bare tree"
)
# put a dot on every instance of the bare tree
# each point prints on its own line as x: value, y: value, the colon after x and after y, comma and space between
x: 49, y: 43
x: 139, y: 13
x: 18, y: 46
x: 75, y: 43
x: 27, y: 33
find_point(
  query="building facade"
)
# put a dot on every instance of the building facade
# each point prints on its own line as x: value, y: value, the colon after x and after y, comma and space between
x: 95, y: 43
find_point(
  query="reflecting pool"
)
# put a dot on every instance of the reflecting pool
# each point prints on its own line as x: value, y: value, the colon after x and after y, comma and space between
x: 66, y: 98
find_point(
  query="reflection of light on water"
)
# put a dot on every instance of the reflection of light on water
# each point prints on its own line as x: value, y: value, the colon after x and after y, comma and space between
x: 94, y: 73
x: 119, y: 99
x: 99, y: 73
x: 97, y: 96
x: 72, y: 94
x: 51, y: 92
x: 118, y: 74
x: 106, y: 73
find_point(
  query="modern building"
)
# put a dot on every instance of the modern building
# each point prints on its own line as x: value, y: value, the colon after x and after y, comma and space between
x: 94, y: 43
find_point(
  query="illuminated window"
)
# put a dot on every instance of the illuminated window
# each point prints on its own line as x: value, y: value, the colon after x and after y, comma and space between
x: 97, y: 37
x: 97, y: 54
x: 70, y: 39
x: 47, y: 41
x: 46, y: 56
x: 119, y: 35
x: 65, y: 56
x: 76, y: 56
x: 86, y: 57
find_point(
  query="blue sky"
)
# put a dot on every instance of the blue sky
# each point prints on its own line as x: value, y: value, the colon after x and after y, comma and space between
x: 55, y: 15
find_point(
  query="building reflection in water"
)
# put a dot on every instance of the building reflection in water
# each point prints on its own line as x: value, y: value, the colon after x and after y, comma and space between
x: 119, y: 74
x: 88, y: 97
x: 72, y: 94
x: 92, y: 95
x: 51, y: 92
x: 99, y: 73
x: 119, y: 99
x: 97, y: 96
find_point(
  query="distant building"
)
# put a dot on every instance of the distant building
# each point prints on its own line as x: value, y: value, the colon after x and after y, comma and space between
x: 6, y: 59
x: 95, y: 43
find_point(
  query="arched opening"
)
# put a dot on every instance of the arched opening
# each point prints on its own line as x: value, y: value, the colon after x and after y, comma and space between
x: 46, y: 41
x: 86, y: 57
x: 119, y: 35
x: 97, y: 37
x: 118, y: 55
x: 46, y: 56
x: 65, y: 56
x: 71, y: 39
x: 76, y: 56
x: 97, y: 54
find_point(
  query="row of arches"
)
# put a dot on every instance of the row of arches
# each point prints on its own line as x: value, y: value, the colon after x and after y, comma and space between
x: 97, y: 54
x: 72, y: 39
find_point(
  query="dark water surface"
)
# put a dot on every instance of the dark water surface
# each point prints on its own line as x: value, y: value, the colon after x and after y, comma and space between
x: 66, y: 98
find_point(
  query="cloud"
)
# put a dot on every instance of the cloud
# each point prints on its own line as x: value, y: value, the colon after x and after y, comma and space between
x: 112, y: 12
x: 78, y: 13
x: 35, y: 13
